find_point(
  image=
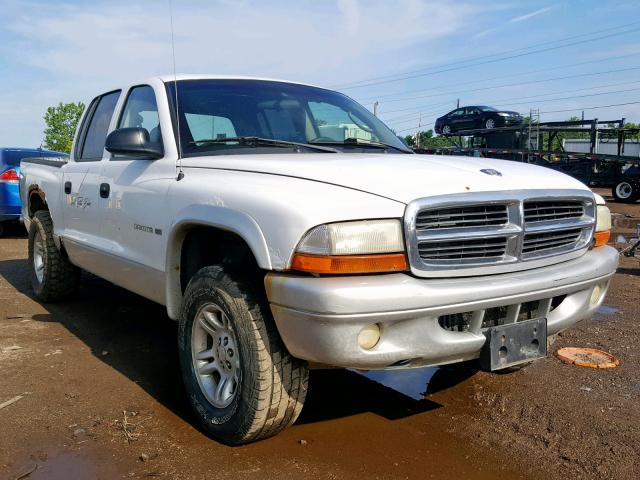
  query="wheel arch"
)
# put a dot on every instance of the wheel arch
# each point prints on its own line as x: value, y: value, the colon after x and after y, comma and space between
x: 204, y: 225
x: 37, y: 200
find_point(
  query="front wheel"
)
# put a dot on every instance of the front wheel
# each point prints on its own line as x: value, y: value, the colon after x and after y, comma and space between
x: 241, y: 381
x: 446, y: 130
x: 490, y: 123
x: 625, y: 191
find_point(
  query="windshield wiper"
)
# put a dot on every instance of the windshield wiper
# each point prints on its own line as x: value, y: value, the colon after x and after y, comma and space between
x: 357, y: 142
x: 257, y: 141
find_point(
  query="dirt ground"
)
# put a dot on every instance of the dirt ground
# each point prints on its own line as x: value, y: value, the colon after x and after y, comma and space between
x: 99, y: 395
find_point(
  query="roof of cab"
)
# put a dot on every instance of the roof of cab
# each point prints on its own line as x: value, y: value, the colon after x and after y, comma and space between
x: 184, y: 76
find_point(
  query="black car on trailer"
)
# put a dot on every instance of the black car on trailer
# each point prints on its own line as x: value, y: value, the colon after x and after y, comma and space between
x: 475, y: 116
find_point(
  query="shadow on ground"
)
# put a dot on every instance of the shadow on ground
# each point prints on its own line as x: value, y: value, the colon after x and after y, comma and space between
x: 134, y: 336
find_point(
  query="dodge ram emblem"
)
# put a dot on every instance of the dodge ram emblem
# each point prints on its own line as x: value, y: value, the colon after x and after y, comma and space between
x: 491, y: 171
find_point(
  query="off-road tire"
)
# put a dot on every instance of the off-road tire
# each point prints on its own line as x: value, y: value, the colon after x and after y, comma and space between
x: 633, y: 196
x: 60, y: 278
x: 273, y: 384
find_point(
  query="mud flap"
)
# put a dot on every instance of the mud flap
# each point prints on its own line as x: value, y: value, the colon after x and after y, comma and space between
x: 513, y: 344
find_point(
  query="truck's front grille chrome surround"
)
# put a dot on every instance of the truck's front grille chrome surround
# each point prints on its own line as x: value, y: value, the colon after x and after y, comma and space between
x: 494, y: 232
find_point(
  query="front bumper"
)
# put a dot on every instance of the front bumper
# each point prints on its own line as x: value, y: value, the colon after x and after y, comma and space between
x: 319, y: 319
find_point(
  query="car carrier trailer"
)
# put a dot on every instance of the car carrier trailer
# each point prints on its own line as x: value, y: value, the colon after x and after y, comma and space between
x: 527, y: 142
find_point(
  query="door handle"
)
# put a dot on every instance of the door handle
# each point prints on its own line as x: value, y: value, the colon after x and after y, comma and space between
x: 104, y: 190
x: 67, y: 187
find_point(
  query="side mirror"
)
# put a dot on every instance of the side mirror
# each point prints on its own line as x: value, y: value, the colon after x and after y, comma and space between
x: 133, y: 141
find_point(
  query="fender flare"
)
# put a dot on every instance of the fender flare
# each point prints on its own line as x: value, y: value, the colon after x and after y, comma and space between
x: 215, y: 216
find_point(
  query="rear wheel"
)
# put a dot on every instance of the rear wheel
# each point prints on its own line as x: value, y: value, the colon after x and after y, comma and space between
x: 446, y: 130
x: 241, y: 381
x: 53, y: 277
x: 625, y: 191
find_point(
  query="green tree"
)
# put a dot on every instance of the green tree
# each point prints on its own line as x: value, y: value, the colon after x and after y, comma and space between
x: 61, y: 122
x: 428, y: 140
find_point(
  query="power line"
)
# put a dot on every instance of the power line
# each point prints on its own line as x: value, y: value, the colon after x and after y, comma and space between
x: 546, y: 100
x: 575, y: 96
x: 489, y: 55
x: 578, y: 109
x: 542, y: 50
x: 494, y: 101
x: 529, y: 82
x: 499, y: 77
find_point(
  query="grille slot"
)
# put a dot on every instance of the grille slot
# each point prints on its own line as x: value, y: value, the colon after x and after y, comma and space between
x: 468, y: 249
x: 554, y: 210
x: 537, y: 242
x: 461, y: 217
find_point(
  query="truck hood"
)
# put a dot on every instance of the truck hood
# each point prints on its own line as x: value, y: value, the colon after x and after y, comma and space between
x: 398, y: 177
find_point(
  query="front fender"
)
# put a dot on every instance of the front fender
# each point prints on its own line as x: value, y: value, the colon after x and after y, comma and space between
x: 216, y: 216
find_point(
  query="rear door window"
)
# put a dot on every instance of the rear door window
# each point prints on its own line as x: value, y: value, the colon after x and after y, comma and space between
x: 96, y: 132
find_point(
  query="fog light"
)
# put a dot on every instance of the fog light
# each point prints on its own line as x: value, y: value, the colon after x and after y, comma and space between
x: 596, y: 293
x: 369, y: 336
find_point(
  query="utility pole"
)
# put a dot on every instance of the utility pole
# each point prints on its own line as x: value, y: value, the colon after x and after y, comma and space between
x: 418, y: 131
x: 458, y: 104
x: 375, y: 109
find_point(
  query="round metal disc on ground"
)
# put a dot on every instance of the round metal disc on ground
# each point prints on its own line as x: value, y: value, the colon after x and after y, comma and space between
x: 587, y: 357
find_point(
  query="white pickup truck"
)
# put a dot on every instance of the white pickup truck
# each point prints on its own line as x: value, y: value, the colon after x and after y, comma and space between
x: 284, y: 225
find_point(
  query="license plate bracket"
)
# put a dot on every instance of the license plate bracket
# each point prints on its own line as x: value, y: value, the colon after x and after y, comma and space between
x: 514, y: 344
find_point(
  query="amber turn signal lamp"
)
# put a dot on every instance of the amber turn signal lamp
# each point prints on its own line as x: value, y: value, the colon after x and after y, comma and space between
x: 345, y: 264
x: 601, y: 238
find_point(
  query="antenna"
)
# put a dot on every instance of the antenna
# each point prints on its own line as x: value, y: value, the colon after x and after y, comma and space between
x: 175, y: 88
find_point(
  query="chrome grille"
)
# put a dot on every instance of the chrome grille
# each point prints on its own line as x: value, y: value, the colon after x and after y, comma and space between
x: 465, y: 216
x: 493, y: 232
x: 464, y: 249
x: 543, y: 211
x: 554, y: 240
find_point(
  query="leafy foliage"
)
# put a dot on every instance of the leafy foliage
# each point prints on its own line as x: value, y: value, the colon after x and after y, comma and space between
x: 61, y: 122
x: 428, y: 140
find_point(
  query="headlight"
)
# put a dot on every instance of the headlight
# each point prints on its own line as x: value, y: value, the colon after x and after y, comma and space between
x: 603, y: 226
x: 504, y: 114
x: 352, y: 247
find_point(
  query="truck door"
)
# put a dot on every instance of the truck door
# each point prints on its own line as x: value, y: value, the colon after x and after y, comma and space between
x: 83, y: 206
x: 136, y: 220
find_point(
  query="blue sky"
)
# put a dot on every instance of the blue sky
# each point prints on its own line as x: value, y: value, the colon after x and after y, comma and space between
x: 53, y: 51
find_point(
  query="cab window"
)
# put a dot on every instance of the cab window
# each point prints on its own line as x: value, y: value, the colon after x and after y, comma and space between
x: 141, y: 111
x: 95, y: 135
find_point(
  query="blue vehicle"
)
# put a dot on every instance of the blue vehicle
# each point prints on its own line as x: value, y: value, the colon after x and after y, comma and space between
x: 9, y: 175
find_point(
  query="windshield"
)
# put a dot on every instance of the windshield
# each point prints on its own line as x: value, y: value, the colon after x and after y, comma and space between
x: 213, y: 110
x: 488, y: 109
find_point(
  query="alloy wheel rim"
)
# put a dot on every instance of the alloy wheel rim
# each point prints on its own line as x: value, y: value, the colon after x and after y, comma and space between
x: 215, y: 356
x: 38, y: 257
x: 624, y: 190
x: 446, y: 129
x: 490, y: 123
